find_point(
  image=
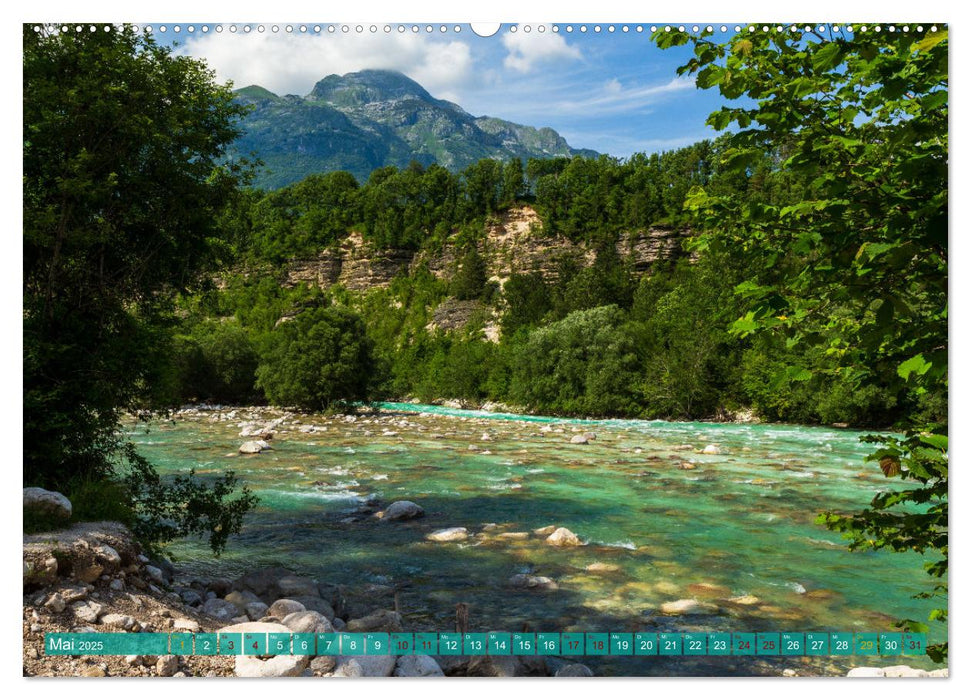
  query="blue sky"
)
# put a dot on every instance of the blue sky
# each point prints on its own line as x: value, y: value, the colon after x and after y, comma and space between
x: 616, y: 93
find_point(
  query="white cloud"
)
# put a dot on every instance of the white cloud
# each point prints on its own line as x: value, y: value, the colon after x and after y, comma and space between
x: 529, y: 50
x: 292, y: 64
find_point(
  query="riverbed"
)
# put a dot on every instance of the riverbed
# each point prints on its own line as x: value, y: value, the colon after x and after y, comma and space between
x: 720, y: 514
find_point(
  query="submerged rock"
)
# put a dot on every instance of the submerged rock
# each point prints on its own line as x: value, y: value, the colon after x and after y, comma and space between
x: 451, y: 534
x: 687, y: 606
x: 574, y: 671
x: 403, y: 510
x: 527, y: 581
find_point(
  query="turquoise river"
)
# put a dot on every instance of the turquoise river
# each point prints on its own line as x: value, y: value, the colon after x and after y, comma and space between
x: 660, y: 520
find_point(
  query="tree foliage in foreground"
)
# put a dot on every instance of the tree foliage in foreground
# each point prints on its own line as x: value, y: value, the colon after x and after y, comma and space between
x: 122, y: 191
x: 858, y: 268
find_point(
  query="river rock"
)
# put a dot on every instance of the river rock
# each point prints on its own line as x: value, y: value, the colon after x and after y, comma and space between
x: 574, y: 671
x: 283, y: 607
x: 317, y: 604
x: 904, y: 672
x: 256, y: 610
x: 545, y: 531
x: 190, y: 597
x: 561, y: 537
x: 167, y: 665
x: 55, y: 603
x: 308, y: 621
x: 527, y: 581
x: 601, y: 567
x: 87, y: 610
x: 451, y: 534
x: 494, y: 666
x: 745, y: 600
x: 377, y: 621
x: 257, y: 627
x: 323, y: 664
x: 117, y: 620
x: 49, y: 503
x: 417, y: 666
x: 579, y: 439
x: 108, y: 555
x: 865, y: 672
x: 241, y: 599
x: 262, y: 582
x: 711, y: 450
x: 184, y: 624
x: 254, y: 447
x: 365, y: 666
x: 155, y: 573
x: 403, y: 510
x: 686, y: 606
x: 293, y: 586
x: 220, y: 609
x: 274, y: 667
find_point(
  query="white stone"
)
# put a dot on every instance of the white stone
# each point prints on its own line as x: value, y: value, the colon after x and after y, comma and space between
x: 88, y: 611
x: 275, y: 667
x: 562, y: 537
x: 686, y: 606
x: 711, y: 450
x: 865, y: 672
x: 167, y: 665
x: 450, y: 534
x: 579, y: 440
x: 186, y: 624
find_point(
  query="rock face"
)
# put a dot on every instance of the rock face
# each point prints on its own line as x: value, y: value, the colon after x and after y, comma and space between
x: 451, y: 534
x: 48, y: 503
x: 514, y: 243
x: 403, y: 510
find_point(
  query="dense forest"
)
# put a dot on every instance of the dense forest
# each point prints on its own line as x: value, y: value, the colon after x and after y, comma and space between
x: 595, y: 339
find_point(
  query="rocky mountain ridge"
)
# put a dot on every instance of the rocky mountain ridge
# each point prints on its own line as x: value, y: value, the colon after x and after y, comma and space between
x: 362, y: 121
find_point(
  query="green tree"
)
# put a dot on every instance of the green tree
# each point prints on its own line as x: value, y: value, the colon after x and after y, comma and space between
x: 470, y: 278
x: 123, y: 187
x: 318, y: 360
x: 585, y: 364
x: 858, y: 267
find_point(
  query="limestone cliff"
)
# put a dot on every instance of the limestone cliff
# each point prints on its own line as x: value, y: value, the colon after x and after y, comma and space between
x: 514, y: 243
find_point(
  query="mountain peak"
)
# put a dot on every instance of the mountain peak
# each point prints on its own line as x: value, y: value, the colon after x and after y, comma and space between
x: 368, y: 86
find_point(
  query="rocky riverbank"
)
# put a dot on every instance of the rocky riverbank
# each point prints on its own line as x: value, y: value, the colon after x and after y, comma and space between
x: 93, y: 577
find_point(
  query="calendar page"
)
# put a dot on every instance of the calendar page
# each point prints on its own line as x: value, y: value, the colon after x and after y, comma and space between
x: 485, y: 350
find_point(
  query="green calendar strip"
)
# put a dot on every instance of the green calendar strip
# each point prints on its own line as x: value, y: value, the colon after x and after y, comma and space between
x: 492, y: 644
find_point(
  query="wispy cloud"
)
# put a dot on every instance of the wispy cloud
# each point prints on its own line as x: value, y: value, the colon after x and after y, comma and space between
x: 612, y: 97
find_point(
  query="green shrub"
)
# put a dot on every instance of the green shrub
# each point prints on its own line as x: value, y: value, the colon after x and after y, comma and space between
x: 317, y: 360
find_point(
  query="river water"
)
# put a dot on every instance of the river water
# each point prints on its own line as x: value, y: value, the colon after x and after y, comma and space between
x: 734, y: 525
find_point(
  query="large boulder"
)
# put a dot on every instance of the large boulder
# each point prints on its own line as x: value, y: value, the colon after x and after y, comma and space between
x: 47, y: 503
x: 403, y: 510
x: 241, y: 599
x: 254, y: 447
